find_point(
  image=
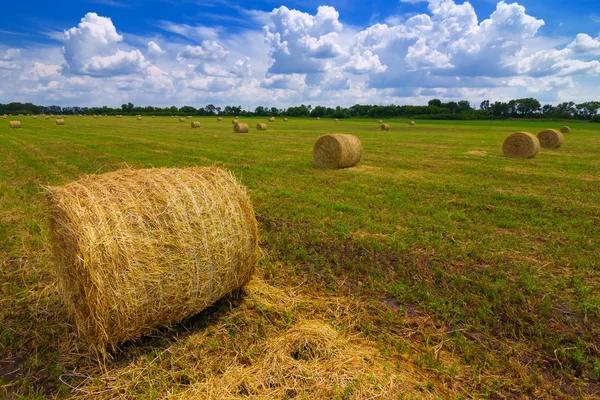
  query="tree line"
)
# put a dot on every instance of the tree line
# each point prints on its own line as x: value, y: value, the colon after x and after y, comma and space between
x: 435, y: 109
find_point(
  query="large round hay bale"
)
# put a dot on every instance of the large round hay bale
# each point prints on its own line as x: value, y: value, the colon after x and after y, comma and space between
x: 139, y: 117
x: 4, y: 116
x: 195, y: 124
x: 550, y: 139
x: 14, y: 124
x: 35, y: 117
x: 380, y: 122
x: 565, y: 129
x: 234, y: 121
x: 47, y: 117
x: 189, y: 117
x: 337, y: 151
x: 261, y: 127
x: 219, y: 119
x: 318, y: 118
x: 385, y: 127
x: 337, y: 120
x: 240, y: 128
x: 272, y: 119
x: 411, y: 123
x: 60, y: 121
x: 521, y: 145
x: 137, y: 249
x: 181, y: 119
x: 285, y: 120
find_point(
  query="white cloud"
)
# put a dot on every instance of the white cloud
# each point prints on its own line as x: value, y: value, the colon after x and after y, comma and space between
x: 208, y: 51
x: 364, y: 63
x: 585, y: 44
x: 10, y: 54
x: 40, y: 71
x: 154, y: 51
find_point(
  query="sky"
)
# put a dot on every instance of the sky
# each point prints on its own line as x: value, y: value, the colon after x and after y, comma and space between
x: 274, y: 54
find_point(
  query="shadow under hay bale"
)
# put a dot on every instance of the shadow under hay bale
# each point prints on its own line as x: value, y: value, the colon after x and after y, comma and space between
x: 337, y: 151
x: 240, y: 128
x: 550, y: 139
x: 134, y: 250
x: 521, y: 145
x: 261, y: 127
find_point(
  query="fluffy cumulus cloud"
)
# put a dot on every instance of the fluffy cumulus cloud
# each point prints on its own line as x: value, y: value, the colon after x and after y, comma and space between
x: 311, y: 57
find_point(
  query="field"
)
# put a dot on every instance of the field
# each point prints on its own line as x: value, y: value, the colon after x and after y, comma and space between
x: 438, y: 267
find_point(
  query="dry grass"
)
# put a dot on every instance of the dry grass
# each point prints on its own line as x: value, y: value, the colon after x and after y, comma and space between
x: 122, y: 271
x: 337, y: 151
x: 550, y: 139
x: 521, y: 145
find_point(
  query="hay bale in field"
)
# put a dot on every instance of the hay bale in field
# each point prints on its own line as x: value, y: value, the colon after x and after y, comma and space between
x: 195, y: 124
x: 318, y: 118
x: 337, y: 120
x: 385, y: 127
x: 99, y: 116
x: 272, y: 119
x: 47, y: 117
x: 285, y: 120
x: 4, y: 116
x: 521, y: 145
x: 35, y: 117
x: 565, y: 129
x: 240, y: 128
x: 337, y: 151
x: 411, y: 123
x: 181, y: 119
x: 219, y: 119
x: 550, y: 139
x: 14, y: 124
x: 234, y: 121
x: 261, y: 127
x: 139, y: 118
x: 60, y: 121
x: 138, y: 249
x: 380, y: 122
x: 154, y: 116
x: 189, y: 117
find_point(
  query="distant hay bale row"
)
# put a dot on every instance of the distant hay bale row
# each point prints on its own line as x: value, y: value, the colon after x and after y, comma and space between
x: 261, y: 127
x: 195, y: 124
x: 550, y: 139
x: 129, y: 253
x: 240, y: 128
x: 14, y: 124
x: 521, y: 145
x: 337, y: 151
x: 60, y: 121
x: 385, y: 127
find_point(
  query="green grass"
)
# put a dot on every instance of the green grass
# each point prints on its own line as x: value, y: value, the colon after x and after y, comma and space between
x: 501, y: 257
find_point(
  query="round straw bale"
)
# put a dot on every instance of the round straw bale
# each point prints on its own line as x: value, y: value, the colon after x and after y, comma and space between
x: 261, y: 127
x: 195, y: 124
x: 337, y: 120
x: 237, y: 116
x: 60, y: 121
x: 550, y: 139
x: 385, y: 127
x: 285, y: 120
x: 189, y: 117
x: 4, y: 116
x: 154, y: 116
x: 272, y: 119
x: 521, y: 145
x: 219, y: 119
x: 565, y: 129
x: 99, y: 116
x: 139, y: 118
x: 47, y: 117
x: 337, y: 151
x: 411, y: 123
x: 318, y: 118
x: 234, y: 121
x: 240, y: 128
x: 35, y: 117
x: 14, y: 124
x: 136, y: 249
x: 181, y: 119
x: 380, y: 122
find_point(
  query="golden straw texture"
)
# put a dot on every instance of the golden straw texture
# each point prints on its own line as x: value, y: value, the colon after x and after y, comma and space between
x: 285, y: 120
x: 272, y: 119
x: 521, y: 145
x: 550, y: 139
x: 411, y: 123
x: 136, y: 249
x: 181, y: 119
x: 385, y: 127
x: 60, y: 121
x: 565, y: 129
x: 261, y: 127
x: 234, y: 121
x: 240, y: 128
x: 337, y: 151
x: 380, y: 122
x: 219, y: 119
x: 14, y: 124
x: 139, y: 118
x: 195, y: 124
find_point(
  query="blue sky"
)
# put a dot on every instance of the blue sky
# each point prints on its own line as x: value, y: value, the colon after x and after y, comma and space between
x: 341, y: 52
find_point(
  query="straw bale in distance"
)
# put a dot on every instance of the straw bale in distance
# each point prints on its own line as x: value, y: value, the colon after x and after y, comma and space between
x: 195, y: 124
x: 219, y: 119
x: 60, y: 121
x: 139, y: 118
x: 318, y: 118
x: 234, y: 121
x: 35, y: 117
x: 4, y: 116
x: 550, y: 139
x: 565, y: 129
x: 272, y: 119
x: 189, y: 117
x: 380, y: 122
x: 337, y: 151
x: 521, y: 145
x: 154, y: 116
x: 47, y: 117
x: 285, y: 120
x: 411, y: 123
x: 385, y: 127
x: 136, y: 249
x: 240, y: 128
x: 181, y: 119
x: 261, y: 127
x: 14, y: 124
x: 337, y: 120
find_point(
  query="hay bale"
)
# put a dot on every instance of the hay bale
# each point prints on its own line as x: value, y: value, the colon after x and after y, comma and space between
x: 35, y: 117
x: 195, y: 124
x: 181, y: 119
x: 219, y: 119
x: 4, y: 116
x: 550, y: 139
x: 240, y: 128
x: 60, y: 121
x: 385, y: 127
x: 136, y: 249
x: 521, y: 145
x: 189, y: 117
x: 285, y: 120
x: 411, y: 123
x: 154, y: 116
x: 261, y: 127
x: 99, y: 116
x: 47, y: 117
x: 234, y: 121
x: 565, y: 129
x: 337, y: 151
x: 337, y: 120
x: 14, y: 124
x: 272, y: 119
x: 380, y: 122
x: 318, y: 118
x: 139, y: 118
